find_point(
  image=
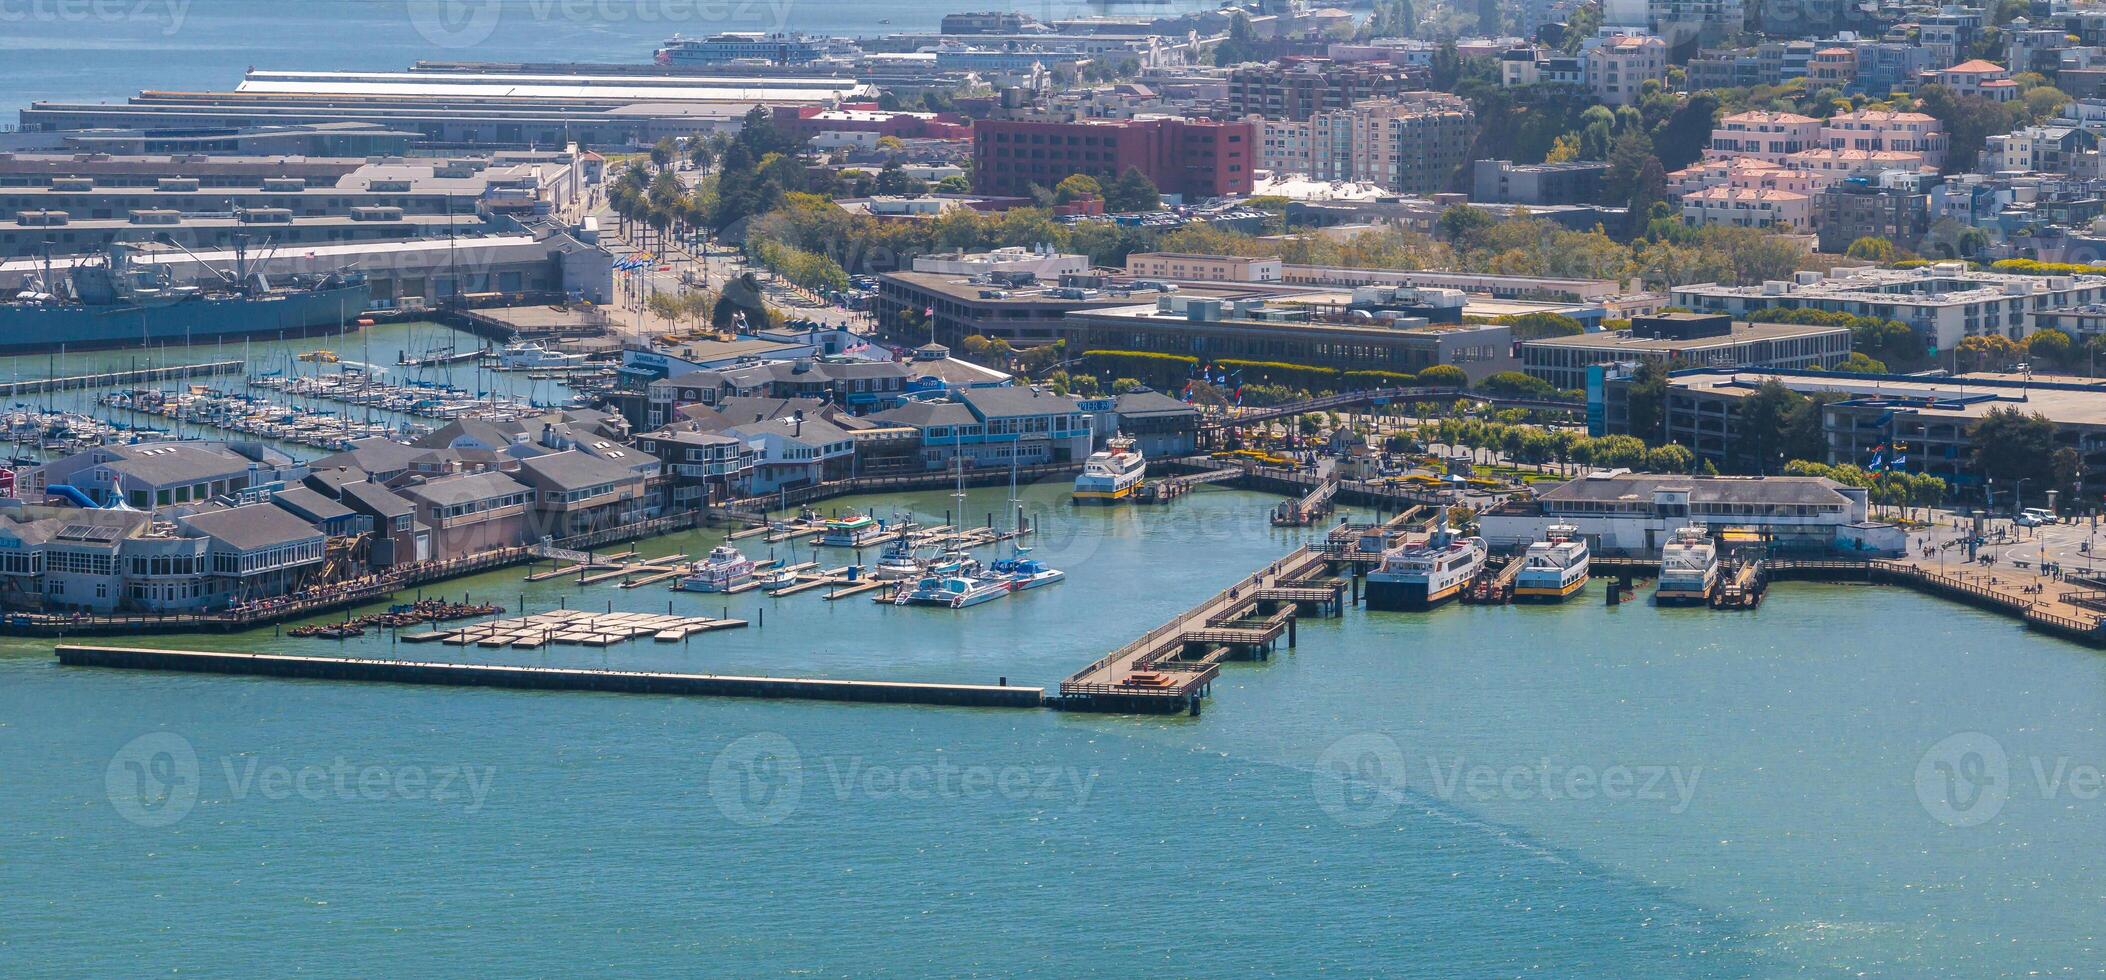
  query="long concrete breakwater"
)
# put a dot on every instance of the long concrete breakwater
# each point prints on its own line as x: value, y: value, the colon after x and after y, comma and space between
x: 549, y: 678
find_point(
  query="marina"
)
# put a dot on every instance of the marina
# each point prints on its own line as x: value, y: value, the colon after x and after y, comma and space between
x: 423, y: 399
x: 250, y: 415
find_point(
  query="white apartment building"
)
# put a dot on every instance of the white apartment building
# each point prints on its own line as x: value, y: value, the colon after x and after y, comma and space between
x: 1618, y: 66
x: 1944, y: 302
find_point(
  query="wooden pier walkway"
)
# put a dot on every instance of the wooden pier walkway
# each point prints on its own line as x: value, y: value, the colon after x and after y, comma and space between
x: 1494, y: 586
x: 111, y: 379
x: 551, y: 678
x: 1171, y: 667
x: 1306, y: 511
x: 1172, y: 487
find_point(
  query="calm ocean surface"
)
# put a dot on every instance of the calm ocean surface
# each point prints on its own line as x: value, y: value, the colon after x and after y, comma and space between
x: 1584, y: 791
x: 107, y: 50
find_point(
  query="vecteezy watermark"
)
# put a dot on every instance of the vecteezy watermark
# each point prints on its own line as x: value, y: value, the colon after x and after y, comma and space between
x: 156, y: 779
x: 1360, y: 780
x: 170, y: 14
x: 152, y: 781
x: 467, y: 23
x: 760, y: 780
x: 1964, y: 780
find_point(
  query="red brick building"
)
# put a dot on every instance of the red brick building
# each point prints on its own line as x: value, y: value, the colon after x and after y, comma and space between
x: 1195, y: 158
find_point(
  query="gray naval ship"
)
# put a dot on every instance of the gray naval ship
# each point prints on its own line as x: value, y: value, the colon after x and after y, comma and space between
x: 114, y: 299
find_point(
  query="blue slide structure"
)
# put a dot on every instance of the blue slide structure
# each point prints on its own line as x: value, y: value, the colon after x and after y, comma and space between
x: 73, y: 493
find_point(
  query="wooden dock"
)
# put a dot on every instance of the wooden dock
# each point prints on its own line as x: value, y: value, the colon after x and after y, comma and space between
x: 1172, y: 667
x: 1495, y: 585
x: 1308, y: 510
x: 550, y: 678
x: 570, y: 626
x: 111, y: 379
x: 1170, y: 488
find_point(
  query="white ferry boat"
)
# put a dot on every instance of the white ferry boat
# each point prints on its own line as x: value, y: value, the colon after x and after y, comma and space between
x: 1110, y: 474
x: 1688, y: 568
x: 725, y: 569
x: 530, y: 356
x: 1553, y: 568
x: 1422, y: 576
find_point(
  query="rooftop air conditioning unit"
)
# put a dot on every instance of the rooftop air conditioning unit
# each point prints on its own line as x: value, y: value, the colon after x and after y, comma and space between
x: 1776, y: 287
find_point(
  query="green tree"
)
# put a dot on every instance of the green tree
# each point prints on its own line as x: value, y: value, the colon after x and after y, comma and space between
x: 1443, y: 376
x: 1871, y: 249
x: 1077, y: 187
x: 1461, y: 224
x: 1133, y: 191
x: 1645, y: 399
x: 2007, y: 445
x: 2051, y: 346
x: 1670, y: 458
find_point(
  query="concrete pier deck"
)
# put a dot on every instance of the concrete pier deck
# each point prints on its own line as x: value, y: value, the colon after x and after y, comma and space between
x: 550, y: 678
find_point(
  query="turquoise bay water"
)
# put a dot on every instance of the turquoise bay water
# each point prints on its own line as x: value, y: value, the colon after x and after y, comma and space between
x: 635, y: 833
x: 108, y: 51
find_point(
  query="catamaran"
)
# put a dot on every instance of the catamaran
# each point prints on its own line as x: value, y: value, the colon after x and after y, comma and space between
x: 1422, y: 576
x: 1688, y: 567
x: 955, y: 591
x: 1553, y: 568
x: 1110, y: 474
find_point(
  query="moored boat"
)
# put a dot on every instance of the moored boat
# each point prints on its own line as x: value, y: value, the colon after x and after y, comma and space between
x: 954, y: 591
x: 852, y: 531
x: 1112, y: 473
x: 1554, y: 568
x: 1422, y: 576
x: 724, y: 569
x: 1027, y: 573
x: 1688, y: 568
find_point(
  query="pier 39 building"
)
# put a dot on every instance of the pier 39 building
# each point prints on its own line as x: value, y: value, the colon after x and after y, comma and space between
x: 1633, y: 514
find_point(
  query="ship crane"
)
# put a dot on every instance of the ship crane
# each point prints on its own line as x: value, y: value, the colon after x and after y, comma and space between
x: 165, y: 238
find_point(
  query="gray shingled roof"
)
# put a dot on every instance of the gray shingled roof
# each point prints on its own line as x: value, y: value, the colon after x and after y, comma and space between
x: 377, y: 454
x: 572, y: 470
x: 464, y: 489
x: 174, y: 463
x: 922, y: 414
x: 379, y: 500
x: 252, y: 527
x: 311, y: 505
x: 1011, y: 402
x: 1143, y: 404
